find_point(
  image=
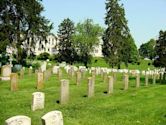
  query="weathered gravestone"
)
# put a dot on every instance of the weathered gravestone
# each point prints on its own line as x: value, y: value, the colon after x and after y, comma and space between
x: 5, y: 72
x: 52, y: 118
x: 137, y: 80
x: 43, y: 66
x: 55, y: 69
x: 38, y: 99
x: 154, y: 78
x: 13, y: 82
x: 110, y: 84
x: 146, y: 79
x: 30, y: 70
x: 18, y: 120
x: 47, y: 74
x: 78, y: 77
x: 90, y: 87
x: 40, y: 80
x: 59, y: 74
x: 64, y: 92
x: 126, y: 81
x: 22, y: 73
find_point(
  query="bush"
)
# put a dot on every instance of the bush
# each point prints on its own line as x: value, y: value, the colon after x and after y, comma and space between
x: 35, y: 65
x: 43, y: 56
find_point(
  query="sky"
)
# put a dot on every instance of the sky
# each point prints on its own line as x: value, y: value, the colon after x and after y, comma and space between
x: 145, y: 17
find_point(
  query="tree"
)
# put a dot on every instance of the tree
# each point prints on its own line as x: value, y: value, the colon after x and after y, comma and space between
x: 130, y: 52
x: 160, y: 49
x: 21, y: 21
x: 116, y: 33
x: 66, y: 48
x: 147, y: 50
x: 86, y: 38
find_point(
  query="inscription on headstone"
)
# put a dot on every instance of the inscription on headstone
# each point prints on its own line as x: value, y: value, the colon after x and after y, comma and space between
x: 38, y: 99
x: 53, y: 118
x: 18, y: 120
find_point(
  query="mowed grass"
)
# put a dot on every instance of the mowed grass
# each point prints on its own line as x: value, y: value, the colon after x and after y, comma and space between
x: 135, y: 106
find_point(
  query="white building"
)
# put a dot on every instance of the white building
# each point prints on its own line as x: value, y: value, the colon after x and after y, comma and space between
x: 51, y: 46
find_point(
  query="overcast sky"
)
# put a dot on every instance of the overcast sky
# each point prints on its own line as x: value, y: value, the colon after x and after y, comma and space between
x: 145, y: 17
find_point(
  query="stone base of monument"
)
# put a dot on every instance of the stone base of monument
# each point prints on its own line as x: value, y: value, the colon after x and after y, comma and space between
x: 5, y: 78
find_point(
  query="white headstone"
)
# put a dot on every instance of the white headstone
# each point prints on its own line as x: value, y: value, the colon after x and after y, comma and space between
x: 53, y: 118
x: 18, y: 120
x: 43, y: 66
x: 38, y: 100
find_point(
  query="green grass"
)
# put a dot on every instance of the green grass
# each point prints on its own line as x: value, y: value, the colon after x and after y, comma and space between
x: 136, y: 106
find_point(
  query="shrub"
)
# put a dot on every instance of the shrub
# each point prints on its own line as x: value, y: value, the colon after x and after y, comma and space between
x: 43, y: 56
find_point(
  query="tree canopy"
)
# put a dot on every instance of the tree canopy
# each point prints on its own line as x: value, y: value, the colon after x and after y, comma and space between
x: 86, y: 38
x: 116, y: 38
x: 147, y: 50
x: 20, y: 21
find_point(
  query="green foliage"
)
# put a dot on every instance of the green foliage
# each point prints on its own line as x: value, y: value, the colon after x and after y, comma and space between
x: 21, y: 21
x: 116, y: 34
x: 4, y: 58
x: 66, y: 49
x: 86, y: 38
x: 43, y: 56
x: 147, y: 50
x: 161, y: 50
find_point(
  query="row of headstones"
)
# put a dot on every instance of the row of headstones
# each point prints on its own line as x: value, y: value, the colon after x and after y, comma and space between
x: 50, y: 118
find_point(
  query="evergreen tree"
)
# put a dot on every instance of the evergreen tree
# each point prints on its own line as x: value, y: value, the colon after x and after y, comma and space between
x: 66, y: 48
x: 20, y: 21
x: 160, y: 48
x: 116, y: 33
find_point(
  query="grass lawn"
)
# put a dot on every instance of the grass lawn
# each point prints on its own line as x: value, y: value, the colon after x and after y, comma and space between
x: 136, y: 106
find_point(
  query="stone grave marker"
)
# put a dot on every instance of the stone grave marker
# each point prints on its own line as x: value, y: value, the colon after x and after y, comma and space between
x: 52, y: 118
x: 18, y: 120
x: 40, y: 80
x: 55, y: 69
x: 13, y: 82
x: 90, y: 87
x: 137, y: 80
x: 64, y: 92
x: 126, y: 81
x: 5, y: 72
x: 38, y: 99
x: 30, y: 71
x: 43, y: 66
x: 59, y: 74
x: 78, y: 77
x: 22, y: 73
x: 154, y: 78
x: 110, y: 84
x: 146, y: 79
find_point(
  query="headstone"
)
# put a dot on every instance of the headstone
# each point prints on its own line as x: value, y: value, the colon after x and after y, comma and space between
x: 110, y: 84
x: 105, y: 77
x: 5, y: 72
x: 47, y: 74
x: 126, y: 81
x: 43, y: 66
x: 64, y: 92
x: 30, y: 71
x: 90, y: 87
x: 55, y: 69
x: 22, y: 73
x: 137, y: 80
x: 154, y: 78
x: 59, y: 74
x: 78, y: 77
x: 53, y: 118
x: 18, y: 120
x: 38, y: 99
x: 13, y: 82
x: 146, y: 79
x: 40, y: 80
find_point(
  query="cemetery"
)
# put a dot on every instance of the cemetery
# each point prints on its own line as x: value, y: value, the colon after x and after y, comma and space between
x: 66, y: 94
x: 89, y: 62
